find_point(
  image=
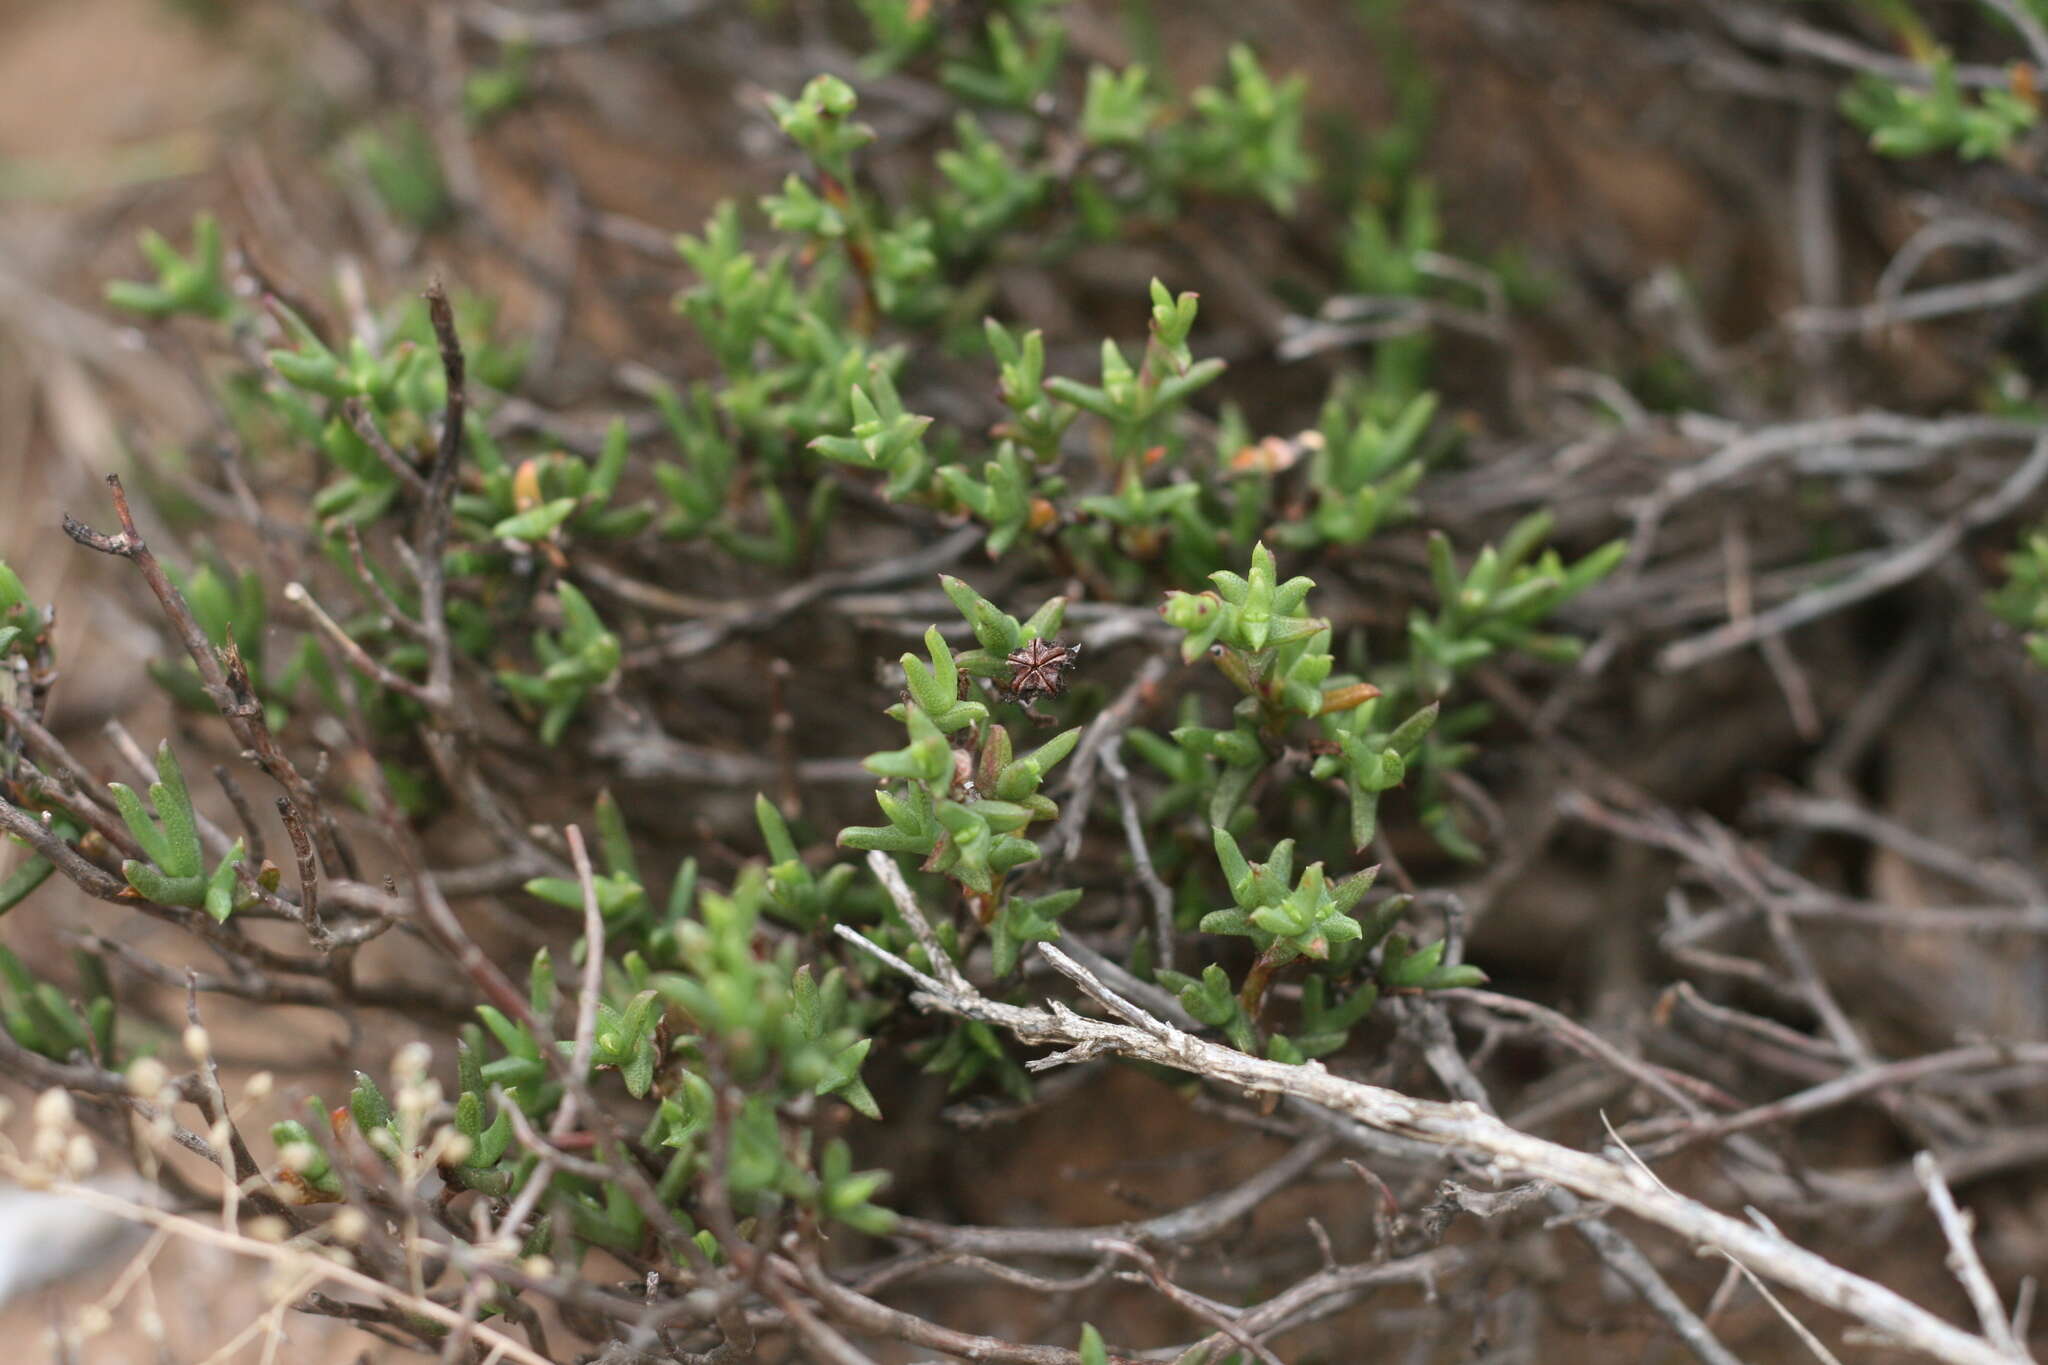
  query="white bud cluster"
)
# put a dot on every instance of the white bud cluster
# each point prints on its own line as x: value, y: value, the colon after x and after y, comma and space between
x: 58, y: 1148
x: 419, y: 1094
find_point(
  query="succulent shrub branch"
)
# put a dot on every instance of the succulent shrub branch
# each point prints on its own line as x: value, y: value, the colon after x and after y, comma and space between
x: 1176, y: 511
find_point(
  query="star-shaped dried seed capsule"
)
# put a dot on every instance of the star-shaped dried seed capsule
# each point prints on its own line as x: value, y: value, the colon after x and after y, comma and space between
x: 1040, y: 669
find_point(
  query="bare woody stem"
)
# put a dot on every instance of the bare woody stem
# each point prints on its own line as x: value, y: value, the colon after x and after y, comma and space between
x: 1252, y: 998
x: 432, y: 539
x: 224, y: 677
x: 309, y: 872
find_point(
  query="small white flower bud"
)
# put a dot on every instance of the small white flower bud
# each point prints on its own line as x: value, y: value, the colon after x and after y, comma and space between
x: 53, y: 1108
x: 147, y: 1078
x: 412, y: 1061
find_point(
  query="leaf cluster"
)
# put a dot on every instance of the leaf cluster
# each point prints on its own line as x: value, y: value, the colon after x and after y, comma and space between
x: 1911, y: 120
x: 172, y: 870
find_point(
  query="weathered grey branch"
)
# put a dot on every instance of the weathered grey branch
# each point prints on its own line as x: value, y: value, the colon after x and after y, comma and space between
x: 1496, y: 1149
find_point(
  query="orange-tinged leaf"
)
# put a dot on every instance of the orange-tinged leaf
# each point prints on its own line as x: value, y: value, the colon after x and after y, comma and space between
x: 526, y: 493
x: 1275, y: 453
x: 1346, y: 698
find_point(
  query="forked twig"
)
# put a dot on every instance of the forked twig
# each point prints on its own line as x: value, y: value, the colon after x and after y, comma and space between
x: 1461, y: 1127
x: 1963, y: 1258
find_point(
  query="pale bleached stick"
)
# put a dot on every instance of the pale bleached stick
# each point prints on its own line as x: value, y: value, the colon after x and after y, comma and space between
x: 1500, y: 1150
x: 1963, y: 1258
